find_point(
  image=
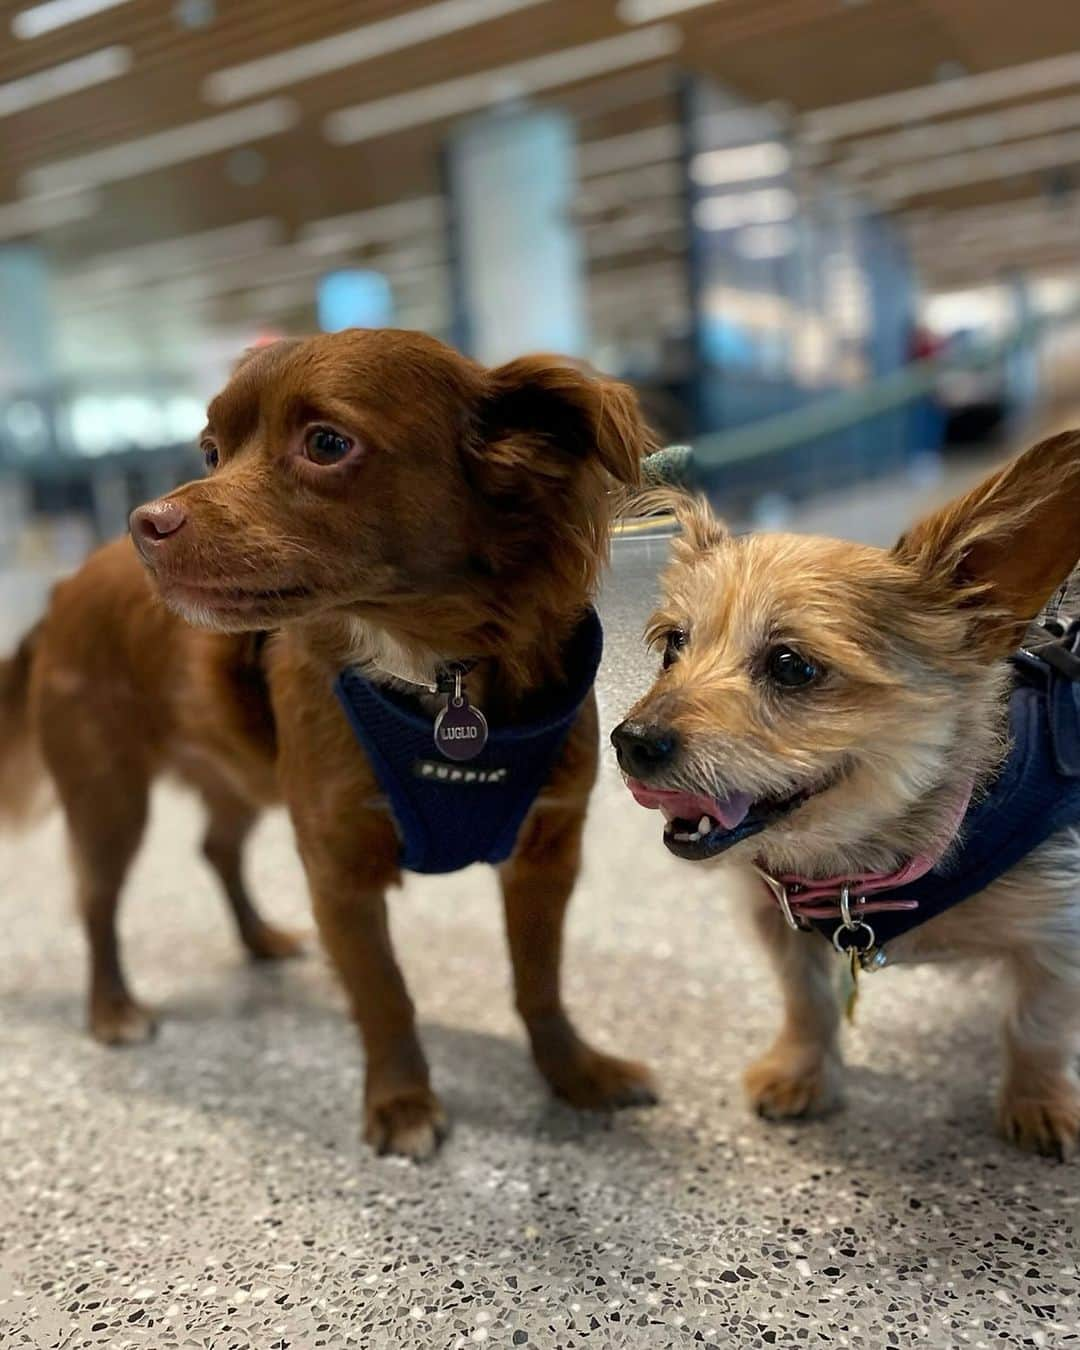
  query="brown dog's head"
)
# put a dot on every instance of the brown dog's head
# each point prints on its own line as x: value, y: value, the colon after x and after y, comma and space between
x: 381, y: 476
x: 824, y: 706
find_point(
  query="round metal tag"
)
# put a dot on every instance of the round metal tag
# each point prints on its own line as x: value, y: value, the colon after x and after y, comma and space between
x: 461, y: 731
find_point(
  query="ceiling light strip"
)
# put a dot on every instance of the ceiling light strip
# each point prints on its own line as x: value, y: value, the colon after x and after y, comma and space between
x: 33, y: 215
x: 935, y: 100
x: 980, y: 166
x: 365, y: 121
x: 43, y: 86
x: 645, y: 11
x: 38, y: 19
x: 312, y: 60
x: 653, y: 145
x: 171, y: 257
x: 191, y: 141
x: 412, y: 216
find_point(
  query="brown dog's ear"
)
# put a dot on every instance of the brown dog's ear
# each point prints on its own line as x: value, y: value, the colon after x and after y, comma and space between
x: 547, y: 416
x: 1009, y: 543
x: 278, y: 346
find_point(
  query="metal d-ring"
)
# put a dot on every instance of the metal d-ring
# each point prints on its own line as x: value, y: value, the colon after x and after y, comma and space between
x: 859, y: 926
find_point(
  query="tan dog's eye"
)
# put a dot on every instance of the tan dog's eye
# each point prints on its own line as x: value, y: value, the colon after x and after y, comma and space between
x: 676, y: 641
x: 786, y: 667
x: 210, y: 454
x: 325, y: 446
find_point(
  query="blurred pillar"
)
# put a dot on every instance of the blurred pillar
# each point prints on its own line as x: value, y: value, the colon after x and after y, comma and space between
x: 1022, y: 364
x: 519, y: 275
x: 14, y: 513
x: 112, y: 501
x: 892, y: 440
x: 891, y: 288
x: 26, y: 337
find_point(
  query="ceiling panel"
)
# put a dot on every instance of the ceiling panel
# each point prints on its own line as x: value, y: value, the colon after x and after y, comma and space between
x: 799, y: 54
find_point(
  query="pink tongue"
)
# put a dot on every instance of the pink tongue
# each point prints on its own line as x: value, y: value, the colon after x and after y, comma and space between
x: 691, y: 806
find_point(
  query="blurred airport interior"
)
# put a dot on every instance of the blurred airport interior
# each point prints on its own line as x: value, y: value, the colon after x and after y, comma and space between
x: 827, y: 239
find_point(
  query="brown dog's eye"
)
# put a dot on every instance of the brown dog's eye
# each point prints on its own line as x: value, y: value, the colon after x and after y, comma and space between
x: 325, y: 446
x: 210, y: 454
x: 787, y: 668
x: 676, y: 641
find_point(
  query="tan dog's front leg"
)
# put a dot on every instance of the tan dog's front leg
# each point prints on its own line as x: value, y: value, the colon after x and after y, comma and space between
x: 401, y: 1113
x: 1040, y: 1096
x: 536, y: 885
x: 799, y: 1075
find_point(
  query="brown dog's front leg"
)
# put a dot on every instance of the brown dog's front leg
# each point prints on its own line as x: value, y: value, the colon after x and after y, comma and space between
x: 799, y: 1075
x: 401, y: 1113
x: 536, y: 885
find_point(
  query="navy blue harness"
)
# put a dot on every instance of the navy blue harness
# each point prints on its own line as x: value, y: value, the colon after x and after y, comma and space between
x: 450, y: 814
x: 1035, y: 794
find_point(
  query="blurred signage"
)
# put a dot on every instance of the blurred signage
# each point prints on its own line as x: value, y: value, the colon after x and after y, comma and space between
x: 354, y: 298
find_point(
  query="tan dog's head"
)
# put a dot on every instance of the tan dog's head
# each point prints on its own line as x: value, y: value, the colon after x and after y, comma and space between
x: 824, y: 705
x: 382, y: 476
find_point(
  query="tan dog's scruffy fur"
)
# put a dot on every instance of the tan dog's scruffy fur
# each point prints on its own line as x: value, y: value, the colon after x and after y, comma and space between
x: 375, y: 499
x: 911, y: 646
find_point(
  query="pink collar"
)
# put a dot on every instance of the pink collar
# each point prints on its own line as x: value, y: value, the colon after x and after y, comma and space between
x: 804, y: 895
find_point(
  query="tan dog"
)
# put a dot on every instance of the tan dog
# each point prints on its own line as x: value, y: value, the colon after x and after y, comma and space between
x: 376, y: 502
x: 829, y: 713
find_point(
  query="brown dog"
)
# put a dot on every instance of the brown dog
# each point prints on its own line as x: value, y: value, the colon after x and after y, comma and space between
x: 375, y: 501
x: 845, y: 721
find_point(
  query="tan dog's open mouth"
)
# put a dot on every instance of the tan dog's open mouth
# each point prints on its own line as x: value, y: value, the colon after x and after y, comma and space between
x: 698, y: 826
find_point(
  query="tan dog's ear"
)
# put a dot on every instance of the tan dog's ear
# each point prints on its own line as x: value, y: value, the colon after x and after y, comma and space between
x: 699, y: 529
x: 1009, y: 543
x: 545, y: 415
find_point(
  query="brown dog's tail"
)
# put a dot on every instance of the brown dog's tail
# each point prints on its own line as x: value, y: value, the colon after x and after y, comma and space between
x: 20, y: 763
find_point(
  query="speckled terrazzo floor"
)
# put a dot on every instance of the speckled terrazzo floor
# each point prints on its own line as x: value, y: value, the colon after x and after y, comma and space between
x: 209, y: 1190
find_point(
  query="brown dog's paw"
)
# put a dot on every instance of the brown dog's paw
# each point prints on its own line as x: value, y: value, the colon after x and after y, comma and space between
x: 411, y: 1124
x: 121, y: 1022
x: 592, y: 1081
x: 267, y: 943
x: 1049, y: 1124
x: 793, y: 1084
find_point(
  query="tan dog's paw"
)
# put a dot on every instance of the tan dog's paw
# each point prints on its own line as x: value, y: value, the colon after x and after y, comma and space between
x: 268, y: 943
x: 1049, y: 1124
x: 410, y: 1123
x: 121, y: 1022
x: 790, y: 1084
x: 593, y: 1081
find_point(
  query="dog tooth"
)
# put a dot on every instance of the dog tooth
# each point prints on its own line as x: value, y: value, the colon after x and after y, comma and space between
x: 704, y: 825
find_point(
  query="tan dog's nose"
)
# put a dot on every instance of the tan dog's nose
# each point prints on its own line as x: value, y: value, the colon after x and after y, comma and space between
x: 155, y: 522
x: 643, y: 750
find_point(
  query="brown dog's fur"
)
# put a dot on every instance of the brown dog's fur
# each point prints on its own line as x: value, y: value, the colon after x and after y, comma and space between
x: 469, y: 520
x: 910, y: 707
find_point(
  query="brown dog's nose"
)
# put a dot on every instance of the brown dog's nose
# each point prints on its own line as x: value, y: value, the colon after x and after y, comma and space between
x: 155, y: 522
